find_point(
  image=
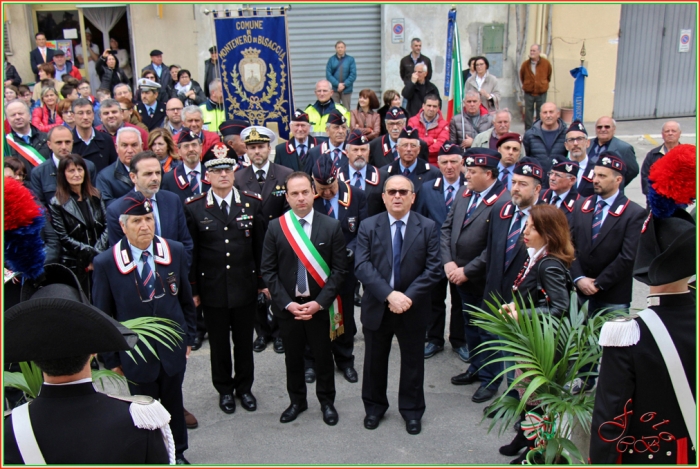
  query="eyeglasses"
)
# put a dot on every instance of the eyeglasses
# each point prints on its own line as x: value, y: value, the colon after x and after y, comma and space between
x: 600, y: 127
x: 394, y: 123
x: 575, y: 140
x: 401, y: 192
x: 558, y: 175
x: 176, y: 109
x: 123, y: 109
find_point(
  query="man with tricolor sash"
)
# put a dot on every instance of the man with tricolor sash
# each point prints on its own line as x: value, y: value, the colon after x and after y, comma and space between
x: 25, y: 141
x: 304, y: 263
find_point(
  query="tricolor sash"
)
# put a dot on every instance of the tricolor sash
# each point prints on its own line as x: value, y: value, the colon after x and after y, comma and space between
x: 27, y: 152
x: 315, y: 265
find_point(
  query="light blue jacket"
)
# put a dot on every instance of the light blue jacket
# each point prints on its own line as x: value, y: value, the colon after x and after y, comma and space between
x: 349, y: 72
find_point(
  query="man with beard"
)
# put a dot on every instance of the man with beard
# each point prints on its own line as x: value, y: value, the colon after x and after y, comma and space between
x: 113, y: 119
x: 294, y: 153
x: 576, y: 144
x: 173, y: 116
x: 189, y: 179
x: 358, y: 173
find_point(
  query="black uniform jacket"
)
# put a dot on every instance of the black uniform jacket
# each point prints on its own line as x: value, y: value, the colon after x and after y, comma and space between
x: 352, y: 209
x: 567, y: 205
x: 178, y: 183
x: 286, y: 153
x: 374, y: 185
x: 273, y: 191
x: 380, y: 151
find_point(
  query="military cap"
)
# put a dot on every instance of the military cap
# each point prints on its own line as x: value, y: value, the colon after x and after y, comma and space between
x: 611, y: 159
x: 258, y: 134
x: 576, y: 126
x: 567, y: 167
x: 155, y: 52
x: 408, y: 132
x: 212, y: 49
x: 300, y: 116
x: 146, y: 84
x: 356, y: 137
x: 219, y: 151
x: 233, y: 127
x: 529, y: 167
x: 186, y: 135
x: 509, y: 137
x: 134, y: 204
x: 482, y: 157
x: 324, y: 171
x: 450, y: 149
x: 395, y: 113
x: 336, y: 117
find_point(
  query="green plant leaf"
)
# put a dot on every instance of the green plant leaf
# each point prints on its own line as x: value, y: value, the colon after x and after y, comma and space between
x: 17, y: 380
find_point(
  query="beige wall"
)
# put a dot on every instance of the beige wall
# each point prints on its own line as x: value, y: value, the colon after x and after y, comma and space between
x: 22, y: 40
x: 600, y: 25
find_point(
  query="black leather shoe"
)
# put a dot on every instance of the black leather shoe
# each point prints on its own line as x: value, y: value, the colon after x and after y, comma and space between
x: 180, y: 460
x: 357, y: 300
x: 413, y: 427
x: 248, y: 401
x: 372, y: 421
x: 226, y: 403
x: 259, y: 344
x: 292, y: 412
x: 330, y: 415
x: 483, y: 394
x: 309, y: 375
x: 350, y: 374
x: 521, y: 459
x: 466, y: 378
x: 278, y: 345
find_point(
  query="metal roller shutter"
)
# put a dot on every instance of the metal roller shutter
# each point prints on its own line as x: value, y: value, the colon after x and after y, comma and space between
x: 313, y: 32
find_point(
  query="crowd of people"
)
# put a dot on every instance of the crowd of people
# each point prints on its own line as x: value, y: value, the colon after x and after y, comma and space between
x: 160, y: 205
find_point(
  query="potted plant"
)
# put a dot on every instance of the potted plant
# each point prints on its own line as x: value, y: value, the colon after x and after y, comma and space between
x: 549, y: 352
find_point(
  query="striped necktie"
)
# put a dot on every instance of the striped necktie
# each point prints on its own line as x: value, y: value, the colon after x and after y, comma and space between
x: 449, y: 197
x: 194, y: 184
x: 513, y: 235
x: 148, y: 279
x: 597, y: 220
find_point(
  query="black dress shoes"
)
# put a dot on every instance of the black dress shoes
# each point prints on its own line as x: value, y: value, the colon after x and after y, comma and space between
x: 309, y: 375
x: 372, y: 421
x: 468, y: 377
x: 226, y: 403
x: 180, y: 460
x: 248, y: 401
x: 483, y: 394
x: 198, y: 341
x: 330, y: 415
x: 350, y: 374
x: 259, y: 344
x: 413, y: 427
x: 278, y: 346
x: 292, y: 412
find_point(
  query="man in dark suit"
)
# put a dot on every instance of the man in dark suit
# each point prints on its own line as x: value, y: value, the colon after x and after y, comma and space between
x: 605, y: 140
x: 576, y: 143
x: 293, y: 154
x: 43, y: 177
x: 114, y: 181
x: 24, y: 140
x: 398, y: 262
x: 267, y: 179
x: 168, y: 212
x: 41, y: 54
x: 189, y: 179
x: 71, y: 422
x: 334, y: 148
x: 506, y: 252
x: 358, y: 173
x: 408, y: 164
x: 159, y: 269
x: 92, y: 145
x: 463, y: 240
x: 306, y: 303
x: 383, y: 150
x: 151, y: 109
x: 227, y: 231
x: 562, y: 188
x: 435, y: 202
x: 161, y: 70
x: 349, y: 206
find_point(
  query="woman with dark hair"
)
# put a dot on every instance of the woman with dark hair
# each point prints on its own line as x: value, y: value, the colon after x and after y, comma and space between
x: 11, y: 75
x: 79, y: 219
x: 391, y: 98
x: 469, y: 71
x: 107, y: 68
x: 485, y: 84
x: 187, y: 90
x: 160, y: 142
x: 47, y: 79
x: 365, y: 117
x: 14, y: 168
x: 45, y: 117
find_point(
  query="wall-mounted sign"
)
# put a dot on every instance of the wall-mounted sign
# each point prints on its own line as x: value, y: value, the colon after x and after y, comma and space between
x: 398, y: 31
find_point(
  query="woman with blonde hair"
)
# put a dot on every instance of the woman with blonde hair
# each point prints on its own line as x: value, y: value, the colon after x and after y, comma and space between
x: 45, y: 117
x: 160, y: 142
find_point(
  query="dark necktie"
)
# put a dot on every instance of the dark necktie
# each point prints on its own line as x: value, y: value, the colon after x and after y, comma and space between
x: 597, y: 220
x: 396, y: 246
x: 554, y: 200
x: 329, y: 208
x: 194, y: 184
x: 336, y: 156
x: 148, y: 279
x: 224, y: 207
x: 302, y: 152
x: 472, y: 207
x: 155, y: 217
x: 261, y: 176
x: 449, y: 197
x: 504, y: 176
x: 358, y: 180
x: 395, y: 152
x: 407, y: 172
x: 301, y: 270
x: 151, y: 111
x: 513, y: 235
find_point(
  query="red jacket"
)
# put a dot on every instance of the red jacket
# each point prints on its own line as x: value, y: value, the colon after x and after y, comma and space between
x: 40, y: 119
x: 435, y: 136
x: 210, y: 139
x: 72, y: 70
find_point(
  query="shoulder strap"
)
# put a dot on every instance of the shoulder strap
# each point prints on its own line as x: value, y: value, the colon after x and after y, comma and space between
x: 668, y: 350
x: 24, y: 436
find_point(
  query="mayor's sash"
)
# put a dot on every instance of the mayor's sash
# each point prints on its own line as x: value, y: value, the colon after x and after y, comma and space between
x: 315, y: 265
x: 26, y: 151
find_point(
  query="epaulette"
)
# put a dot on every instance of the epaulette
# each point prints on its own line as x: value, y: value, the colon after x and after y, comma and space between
x: 189, y: 200
x: 252, y: 194
x: 622, y: 331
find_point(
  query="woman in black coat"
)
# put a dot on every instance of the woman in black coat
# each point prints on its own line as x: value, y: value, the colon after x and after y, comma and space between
x: 107, y: 68
x: 187, y: 90
x: 78, y: 216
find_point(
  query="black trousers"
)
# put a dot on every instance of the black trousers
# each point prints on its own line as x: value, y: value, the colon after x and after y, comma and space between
x: 169, y: 390
x: 238, y: 324
x: 263, y: 327
x: 201, y: 325
x: 376, y: 367
x: 343, y: 346
x: 315, y: 332
x: 436, y: 323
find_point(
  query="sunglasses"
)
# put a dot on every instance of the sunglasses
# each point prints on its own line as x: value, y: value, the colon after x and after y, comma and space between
x: 401, y: 192
x: 600, y: 127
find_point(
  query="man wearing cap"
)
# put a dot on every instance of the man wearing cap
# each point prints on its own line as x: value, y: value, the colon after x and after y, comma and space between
x: 161, y: 70
x: 189, y: 179
x: 267, y: 179
x: 562, y: 188
x: 152, y: 110
x: 431, y: 127
x: 348, y: 205
x: 383, y: 150
x: 64, y: 66
x: 646, y: 396
x: 434, y: 201
x: 408, y: 164
x: 70, y: 422
x: 334, y: 148
x: 506, y: 252
x: 463, y: 240
x: 465, y: 126
x: 227, y: 231
x: 358, y: 173
x: 319, y: 111
x: 92, y: 145
x: 146, y: 275
x: 114, y: 181
x: 305, y: 294
x: 545, y: 138
x: 211, y: 69
x: 230, y: 131
x: 112, y: 119
x: 192, y: 119
x: 576, y: 144
x: 509, y: 147
x: 294, y: 153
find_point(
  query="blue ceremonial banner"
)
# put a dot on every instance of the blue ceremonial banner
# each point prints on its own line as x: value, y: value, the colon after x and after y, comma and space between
x: 579, y: 75
x: 254, y: 60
